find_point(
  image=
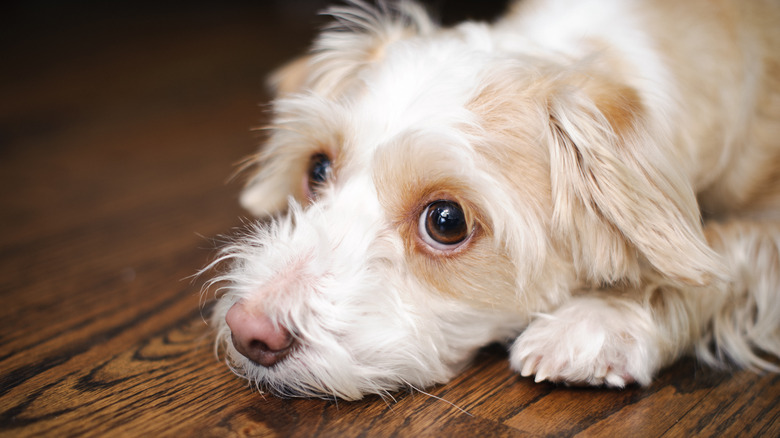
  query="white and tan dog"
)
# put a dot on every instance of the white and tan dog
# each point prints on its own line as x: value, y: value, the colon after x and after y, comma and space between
x: 540, y: 180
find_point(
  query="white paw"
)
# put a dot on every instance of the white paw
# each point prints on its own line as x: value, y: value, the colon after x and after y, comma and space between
x: 592, y: 341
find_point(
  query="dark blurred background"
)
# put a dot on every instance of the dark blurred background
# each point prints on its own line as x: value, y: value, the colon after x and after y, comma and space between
x: 73, y: 40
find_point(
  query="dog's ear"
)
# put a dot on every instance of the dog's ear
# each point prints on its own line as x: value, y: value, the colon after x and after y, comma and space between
x: 619, y: 199
x: 290, y: 77
x: 271, y: 188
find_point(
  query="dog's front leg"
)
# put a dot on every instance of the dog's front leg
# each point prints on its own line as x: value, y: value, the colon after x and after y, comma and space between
x: 604, y: 338
x: 621, y: 335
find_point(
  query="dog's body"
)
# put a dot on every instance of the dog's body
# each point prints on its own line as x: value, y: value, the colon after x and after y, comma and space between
x: 541, y: 179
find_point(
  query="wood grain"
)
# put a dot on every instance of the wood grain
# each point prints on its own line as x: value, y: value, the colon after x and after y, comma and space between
x: 119, y: 129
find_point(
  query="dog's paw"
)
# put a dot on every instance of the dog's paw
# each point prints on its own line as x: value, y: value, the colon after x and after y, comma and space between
x: 590, y: 341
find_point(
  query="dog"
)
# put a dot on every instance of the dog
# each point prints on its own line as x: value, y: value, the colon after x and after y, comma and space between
x: 594, y: 183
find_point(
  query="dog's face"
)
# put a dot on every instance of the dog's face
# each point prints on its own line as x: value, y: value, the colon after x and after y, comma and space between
x: 427, y: 196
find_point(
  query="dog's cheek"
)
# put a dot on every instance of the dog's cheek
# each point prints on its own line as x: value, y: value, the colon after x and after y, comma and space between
x: 481, y: 274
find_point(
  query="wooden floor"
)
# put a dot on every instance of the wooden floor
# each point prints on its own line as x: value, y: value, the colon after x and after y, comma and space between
x: 119, y: 129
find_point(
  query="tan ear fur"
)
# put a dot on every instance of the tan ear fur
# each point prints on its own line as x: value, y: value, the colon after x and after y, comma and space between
x: 619, y: 200
x: 291, y: 77
x: 270, y: 190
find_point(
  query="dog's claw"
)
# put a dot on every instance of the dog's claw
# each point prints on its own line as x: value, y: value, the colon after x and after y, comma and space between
x: 528, y: 367
x: 541, y: 375
x: 615, y: 380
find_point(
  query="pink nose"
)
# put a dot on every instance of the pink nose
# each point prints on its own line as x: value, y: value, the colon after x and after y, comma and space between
x: 256, y: 337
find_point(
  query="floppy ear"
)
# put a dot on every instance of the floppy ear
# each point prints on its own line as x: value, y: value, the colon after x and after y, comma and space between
x: 620, y: 200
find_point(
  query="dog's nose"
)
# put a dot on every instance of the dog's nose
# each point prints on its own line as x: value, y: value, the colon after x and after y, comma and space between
x: 256, y: 337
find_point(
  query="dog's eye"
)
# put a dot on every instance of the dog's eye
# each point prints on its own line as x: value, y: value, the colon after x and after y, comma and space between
x: 320, y: 170
x: 443, y: 225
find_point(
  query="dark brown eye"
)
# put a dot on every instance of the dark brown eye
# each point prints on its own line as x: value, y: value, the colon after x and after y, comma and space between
x: 443, y: 225
x: 320, y: 169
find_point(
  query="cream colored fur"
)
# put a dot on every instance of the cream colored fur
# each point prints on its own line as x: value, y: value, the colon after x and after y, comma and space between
x: 617, y: 163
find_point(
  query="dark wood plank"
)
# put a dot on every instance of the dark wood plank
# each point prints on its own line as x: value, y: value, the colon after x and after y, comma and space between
x: 119, y: 128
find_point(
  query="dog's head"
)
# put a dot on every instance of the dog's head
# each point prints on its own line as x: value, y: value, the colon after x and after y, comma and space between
x: 427, y: 193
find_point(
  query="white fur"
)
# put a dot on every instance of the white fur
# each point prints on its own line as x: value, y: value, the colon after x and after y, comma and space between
x: 590, y: 342
x: 588, y: 251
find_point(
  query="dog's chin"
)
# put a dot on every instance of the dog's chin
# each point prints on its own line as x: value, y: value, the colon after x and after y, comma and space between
x: 308, y: 371
x: 301, y: 375
x: 378, y: 358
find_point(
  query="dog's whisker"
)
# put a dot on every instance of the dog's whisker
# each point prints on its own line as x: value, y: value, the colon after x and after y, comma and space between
x: 462, y: 410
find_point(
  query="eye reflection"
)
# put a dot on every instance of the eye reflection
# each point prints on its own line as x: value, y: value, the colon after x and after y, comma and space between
x: 443, y: 225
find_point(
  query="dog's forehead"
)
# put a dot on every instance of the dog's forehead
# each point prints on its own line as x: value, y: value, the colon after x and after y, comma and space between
x: 419, y: 86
